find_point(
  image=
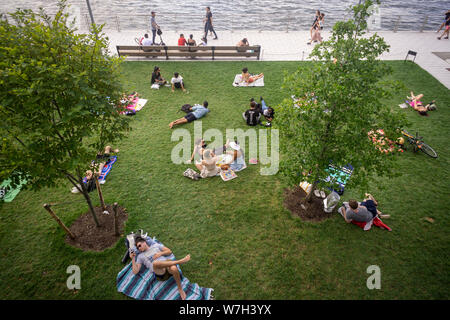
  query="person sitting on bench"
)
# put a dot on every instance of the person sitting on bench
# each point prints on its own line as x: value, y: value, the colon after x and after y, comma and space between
x: 247, y: 78
x: 177, y: 82
x: 154, y: 258
x: 197, y: 112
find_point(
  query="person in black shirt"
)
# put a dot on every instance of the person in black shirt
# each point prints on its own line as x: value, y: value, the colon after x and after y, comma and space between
x: 252, y: 116
x: 208, y: 23
x: 156, y: 77
x: 446, y: 23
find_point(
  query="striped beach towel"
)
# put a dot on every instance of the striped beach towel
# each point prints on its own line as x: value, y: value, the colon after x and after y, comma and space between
x: 144, y: 286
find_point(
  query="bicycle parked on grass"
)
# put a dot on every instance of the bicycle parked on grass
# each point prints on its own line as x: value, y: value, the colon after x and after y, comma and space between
x: 418, y: 144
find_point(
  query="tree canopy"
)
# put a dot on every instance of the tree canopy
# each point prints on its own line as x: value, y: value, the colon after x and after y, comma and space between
x: 58, y: 95
x: 335, y: 103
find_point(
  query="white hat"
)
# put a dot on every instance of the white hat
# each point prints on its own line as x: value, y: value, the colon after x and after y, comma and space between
x: 235, y: 146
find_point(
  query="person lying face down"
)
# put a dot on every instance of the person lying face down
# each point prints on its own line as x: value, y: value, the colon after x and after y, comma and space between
x: 197, y: 112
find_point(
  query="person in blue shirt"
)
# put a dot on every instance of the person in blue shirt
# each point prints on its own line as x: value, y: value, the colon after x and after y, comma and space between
x: 196, y: 112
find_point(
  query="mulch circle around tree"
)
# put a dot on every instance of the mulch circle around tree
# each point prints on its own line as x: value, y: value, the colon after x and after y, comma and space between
x: 293, y: 200
x: 89, y: 237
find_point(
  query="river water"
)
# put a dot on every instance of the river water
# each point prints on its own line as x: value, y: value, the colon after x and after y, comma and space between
x: 241, y: 15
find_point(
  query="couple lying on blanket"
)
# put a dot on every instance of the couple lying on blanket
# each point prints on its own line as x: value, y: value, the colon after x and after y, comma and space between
x: 209, y: 162
x: 106, y: 160
x: 363, y: 214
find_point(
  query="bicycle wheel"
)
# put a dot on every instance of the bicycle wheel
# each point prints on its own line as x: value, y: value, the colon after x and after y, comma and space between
x: 427, y: 150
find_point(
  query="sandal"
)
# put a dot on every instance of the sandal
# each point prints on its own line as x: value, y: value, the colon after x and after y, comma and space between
x: 317, y: 193
x: 322, y: 194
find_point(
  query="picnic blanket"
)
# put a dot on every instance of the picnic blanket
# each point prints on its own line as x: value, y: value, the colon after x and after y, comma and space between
x: 7, y: 192
x: 144, y: 286
x: 239, y: 83
x: 367, y: 225
x: 106, y: 169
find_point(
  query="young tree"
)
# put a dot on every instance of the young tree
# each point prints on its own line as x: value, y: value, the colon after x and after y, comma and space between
x: 342, y: 98
x: 58, y: 97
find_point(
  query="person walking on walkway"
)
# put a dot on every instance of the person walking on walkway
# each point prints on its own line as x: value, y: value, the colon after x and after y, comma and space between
x: 209, y: 23
x: 446, y: 25
x: 154, y: 25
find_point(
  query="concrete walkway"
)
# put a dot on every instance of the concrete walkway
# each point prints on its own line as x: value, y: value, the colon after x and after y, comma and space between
x: 291, y: 46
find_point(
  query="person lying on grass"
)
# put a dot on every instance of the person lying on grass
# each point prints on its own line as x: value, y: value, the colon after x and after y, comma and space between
x: 154, y: 258
x: 247, y: 78
x: 197, y: 112
x: 416, y: 104
x: 90, y: 182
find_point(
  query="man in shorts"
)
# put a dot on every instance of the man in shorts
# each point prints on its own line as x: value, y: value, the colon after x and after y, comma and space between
x: 196, y: 112
x: 154, y: 258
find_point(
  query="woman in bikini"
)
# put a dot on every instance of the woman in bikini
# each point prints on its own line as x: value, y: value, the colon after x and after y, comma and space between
x: 416, y: 104
x: 247, y: 78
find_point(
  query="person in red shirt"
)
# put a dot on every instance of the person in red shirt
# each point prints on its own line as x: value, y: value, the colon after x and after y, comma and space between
x: 182, y: 40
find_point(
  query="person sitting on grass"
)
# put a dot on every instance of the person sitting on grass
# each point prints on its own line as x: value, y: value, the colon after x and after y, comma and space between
x: 252, y: 116
x: 416, y: 104
x: 353, y: 210
x: 209, y: 168
x: 177, y: 82
x: 157, y: 78
x: 154, y: 258
x: 197, y: 154
x: 247, y: 78
x: 197, y: 112
x: 238, y: 161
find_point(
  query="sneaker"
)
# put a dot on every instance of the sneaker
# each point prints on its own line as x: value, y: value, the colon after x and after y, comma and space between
x: 322, y: 194
x: 317, y: 193
x: 215, y: 38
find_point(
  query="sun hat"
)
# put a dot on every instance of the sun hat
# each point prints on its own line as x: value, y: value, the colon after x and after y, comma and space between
x: 234, y: 146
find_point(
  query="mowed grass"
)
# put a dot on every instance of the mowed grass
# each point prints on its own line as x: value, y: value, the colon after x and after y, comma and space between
x: 242, y: 240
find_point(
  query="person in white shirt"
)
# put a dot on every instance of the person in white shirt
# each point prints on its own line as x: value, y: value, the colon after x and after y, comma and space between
x: 146, y: 41
x: 177, y: 82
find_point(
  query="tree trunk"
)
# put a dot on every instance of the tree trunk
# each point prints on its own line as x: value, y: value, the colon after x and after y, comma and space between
x: 100, y: 194
x: 89, y: 202
x: 54, y: 216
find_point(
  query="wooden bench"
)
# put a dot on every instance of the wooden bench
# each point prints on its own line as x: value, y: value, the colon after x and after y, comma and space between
x: 189, y: 51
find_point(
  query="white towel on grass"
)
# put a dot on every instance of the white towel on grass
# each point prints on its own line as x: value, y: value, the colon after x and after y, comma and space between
x: 239, y: 83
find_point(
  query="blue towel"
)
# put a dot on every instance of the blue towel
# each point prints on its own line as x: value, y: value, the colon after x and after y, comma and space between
x: 144, y: 286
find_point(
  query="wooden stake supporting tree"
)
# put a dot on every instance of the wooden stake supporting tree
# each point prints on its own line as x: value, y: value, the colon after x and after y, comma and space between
x: 100, y: 194
x: 116, y: 224
x: 54, y: 216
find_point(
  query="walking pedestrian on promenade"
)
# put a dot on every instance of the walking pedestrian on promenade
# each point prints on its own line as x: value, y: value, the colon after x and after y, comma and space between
x: 154, y: 25
x: 316, y: 19
x: 446, y: 24
x: 209, y: 23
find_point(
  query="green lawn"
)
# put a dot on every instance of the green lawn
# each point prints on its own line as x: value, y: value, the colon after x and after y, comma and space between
x: 256, y: 248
